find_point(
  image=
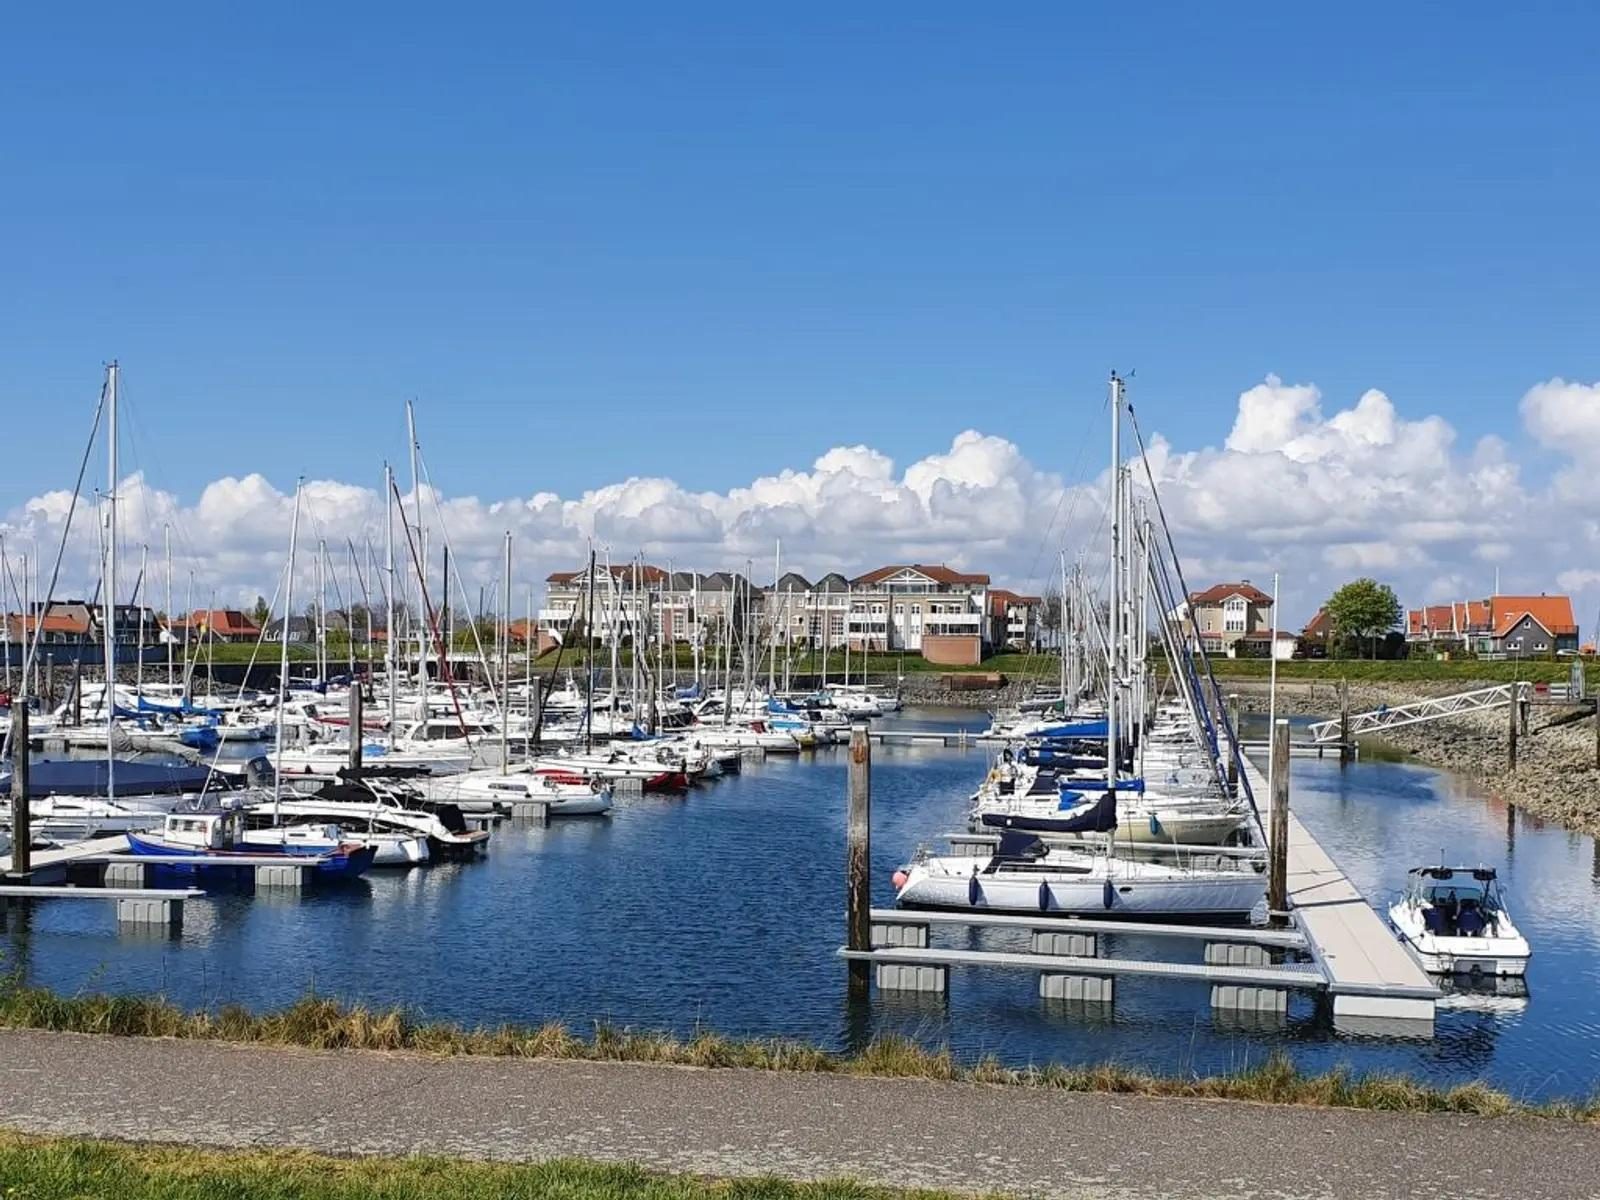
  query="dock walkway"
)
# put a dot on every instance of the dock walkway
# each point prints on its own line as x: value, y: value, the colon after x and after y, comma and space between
x: 1373, y: 980
x: 898, y: 1132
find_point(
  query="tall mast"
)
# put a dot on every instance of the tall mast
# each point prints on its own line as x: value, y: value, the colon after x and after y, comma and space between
x: 588, y: 661
x: 391, y: 646
x: 108, y: 607
x: 138, y: 678
x: 166, y: 536
x: 772, y: 617
x: 505, y: 664
x: 1061, y: 636
x: 5, y: 608
x: 283, y: 655
x: 1114, y: 609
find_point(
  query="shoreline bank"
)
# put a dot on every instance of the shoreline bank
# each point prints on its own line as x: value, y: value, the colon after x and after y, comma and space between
x: 1556, y: 776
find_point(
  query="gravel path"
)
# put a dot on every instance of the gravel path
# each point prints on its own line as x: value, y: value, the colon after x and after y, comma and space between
x: 726, y: 1122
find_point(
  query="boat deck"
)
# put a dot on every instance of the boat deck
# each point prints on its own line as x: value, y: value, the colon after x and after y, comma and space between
x: 1369, y: 973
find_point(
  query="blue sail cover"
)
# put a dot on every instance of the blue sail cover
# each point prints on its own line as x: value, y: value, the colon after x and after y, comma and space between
x: 1074, y: 729
x: 87, y: 777
x: 1100, y: 818
x: 692, y: 692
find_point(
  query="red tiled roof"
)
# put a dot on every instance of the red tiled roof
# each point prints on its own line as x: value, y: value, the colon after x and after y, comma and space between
x: 1000, y: 599
x: 225, y: 622
x: 1553, y: 612
x: 939, y: 574
x: 1217, y: 593
x: 1318, y: 626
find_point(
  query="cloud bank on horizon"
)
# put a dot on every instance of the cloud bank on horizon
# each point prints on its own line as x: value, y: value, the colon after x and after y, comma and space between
x: 1318, y: 498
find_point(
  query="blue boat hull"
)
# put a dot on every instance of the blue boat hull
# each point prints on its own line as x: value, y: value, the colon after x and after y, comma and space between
x: 338, y: 865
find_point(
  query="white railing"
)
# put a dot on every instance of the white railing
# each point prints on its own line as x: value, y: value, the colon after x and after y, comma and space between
x: 1436, y: 709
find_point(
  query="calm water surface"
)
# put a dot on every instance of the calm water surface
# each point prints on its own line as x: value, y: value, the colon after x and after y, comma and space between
x: 722, y: 910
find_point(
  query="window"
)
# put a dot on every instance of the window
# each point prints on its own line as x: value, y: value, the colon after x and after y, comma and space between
x: 1539, y: 646
x: 1233, y: 625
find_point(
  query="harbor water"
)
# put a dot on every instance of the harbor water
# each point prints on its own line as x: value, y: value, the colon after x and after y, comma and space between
x: 722, y: 910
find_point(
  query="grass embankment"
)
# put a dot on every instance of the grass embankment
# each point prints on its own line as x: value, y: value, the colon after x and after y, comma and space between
x: 325, y: 1024
x: 38, y: 1168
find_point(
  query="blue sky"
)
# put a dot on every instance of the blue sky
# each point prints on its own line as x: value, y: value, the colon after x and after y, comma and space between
x: 714, y: 241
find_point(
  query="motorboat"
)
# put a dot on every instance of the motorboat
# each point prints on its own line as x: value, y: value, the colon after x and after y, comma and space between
x: 1454, y: 920
x: 368, y: 804
x: 389, y: 848
x: 1024, y: 875
x: 493, y: 790
x: 218, y: 835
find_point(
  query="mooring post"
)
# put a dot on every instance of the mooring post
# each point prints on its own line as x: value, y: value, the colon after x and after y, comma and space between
x: 355, y: 726
x: 1233, y: 729
x: 49, y: 677
x: 1345, y: 750
x: 1511, y: 728
x: 1278, y: 878
x: 21, y: 833
x: 1597, y: 725
x: 77, y: 691
x: 858, y: 883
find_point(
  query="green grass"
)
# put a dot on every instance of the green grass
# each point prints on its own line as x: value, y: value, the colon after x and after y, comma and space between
x: 326, y: 1024
x: 37, y: 1168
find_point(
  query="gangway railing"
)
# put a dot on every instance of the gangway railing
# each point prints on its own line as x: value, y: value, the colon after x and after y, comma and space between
x: 1437, y: 708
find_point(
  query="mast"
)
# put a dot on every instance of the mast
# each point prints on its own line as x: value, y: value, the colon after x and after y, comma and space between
x: 695, y: 627
x: 138, y: 598
x: 772, y: 660
x: 588, y: 661
x: 283, y: 655
x: 109, y: 596
x: 1114, y: 609
x: 166, y: 536
x: 390, y: 643
x: 5, y: 619
x: 505, y: 664
x: 1061, y: 631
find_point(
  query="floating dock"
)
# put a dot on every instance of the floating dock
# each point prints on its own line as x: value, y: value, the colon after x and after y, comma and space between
x: 1373, y: 979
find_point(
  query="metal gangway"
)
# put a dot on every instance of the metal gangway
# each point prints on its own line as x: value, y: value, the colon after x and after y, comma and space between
x: 1393, y: 716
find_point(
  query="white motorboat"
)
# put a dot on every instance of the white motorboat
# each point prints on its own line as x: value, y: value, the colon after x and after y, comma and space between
x: 390, y: 848
x: 1025, y: 876
x: 492, y: 790
x: 1455, y: 921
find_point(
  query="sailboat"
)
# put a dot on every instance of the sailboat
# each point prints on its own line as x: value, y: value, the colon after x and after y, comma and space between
x: 1026, y: 875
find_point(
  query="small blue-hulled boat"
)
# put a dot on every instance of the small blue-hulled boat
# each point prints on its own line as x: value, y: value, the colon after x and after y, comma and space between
x: 214, y: 837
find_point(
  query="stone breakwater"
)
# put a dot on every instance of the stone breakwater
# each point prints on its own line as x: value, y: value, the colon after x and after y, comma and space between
x: 1555, y: 775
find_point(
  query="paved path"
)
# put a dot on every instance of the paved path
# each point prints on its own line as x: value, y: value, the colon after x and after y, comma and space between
x: 728, y: 1122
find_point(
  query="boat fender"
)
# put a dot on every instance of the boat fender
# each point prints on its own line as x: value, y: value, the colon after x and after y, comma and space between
x: 1044, y: 896
x: 1110, y: 896
x: 899, y: 879
x: 974, y: 890
x: 1155, y: 826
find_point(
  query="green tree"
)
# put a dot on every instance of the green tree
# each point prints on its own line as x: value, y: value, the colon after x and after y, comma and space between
x: 260, y: 613
x: 1362, y: 610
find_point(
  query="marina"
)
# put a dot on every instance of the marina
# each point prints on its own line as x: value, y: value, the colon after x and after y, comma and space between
x: 623, y: 920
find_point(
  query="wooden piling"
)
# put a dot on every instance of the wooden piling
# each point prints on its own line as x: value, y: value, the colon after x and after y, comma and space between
x: 1234, y: 751
x: 1278, y: 839
x: 21, y: 814
x: 49, y: 678
x: 858, y: 881
x: 1346, y: 750
x: 1511, y: 729
x: 77, y: 691
x: 356, y: 737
